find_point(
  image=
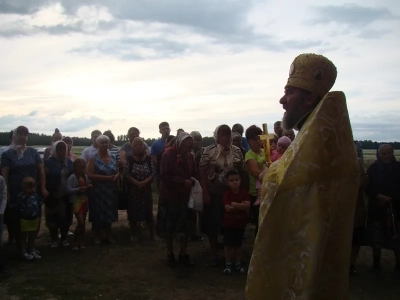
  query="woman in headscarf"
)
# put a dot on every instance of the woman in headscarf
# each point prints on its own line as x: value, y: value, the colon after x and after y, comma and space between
x: 215, y: 162
x: 57, y: 136
x: 383, y: 192
x: 177, y: 170
x: 139, y: 172
x: 69, y: 143
x: 16, y: 163
x: 103, y: 204
x: 58, y: 168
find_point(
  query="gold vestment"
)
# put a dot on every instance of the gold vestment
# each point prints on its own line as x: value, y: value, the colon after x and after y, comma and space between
x: 302, y: 249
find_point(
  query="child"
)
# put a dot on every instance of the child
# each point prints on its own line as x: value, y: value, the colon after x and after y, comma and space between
x: 3, y: 203
x: 237, y: 205
x: 77, y: 185
x: 28, y: 206
x: 283, y: 143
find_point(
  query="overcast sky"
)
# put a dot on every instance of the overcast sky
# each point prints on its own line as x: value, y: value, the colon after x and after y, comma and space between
x: 81, y: 65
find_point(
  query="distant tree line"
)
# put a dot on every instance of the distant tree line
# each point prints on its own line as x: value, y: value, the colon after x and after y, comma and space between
x: 43, y: 139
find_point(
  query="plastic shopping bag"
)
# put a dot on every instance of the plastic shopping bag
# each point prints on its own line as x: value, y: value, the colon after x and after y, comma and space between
x: 196, y: 196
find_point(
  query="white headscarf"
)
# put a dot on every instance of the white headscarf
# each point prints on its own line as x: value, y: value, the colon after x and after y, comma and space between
x: 220, y: 159
x: 53, y: 151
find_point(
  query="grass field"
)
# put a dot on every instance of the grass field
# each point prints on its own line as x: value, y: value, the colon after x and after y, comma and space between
x: 139, y: 272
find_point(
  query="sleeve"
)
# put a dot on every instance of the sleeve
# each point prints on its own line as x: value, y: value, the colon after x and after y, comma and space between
x: 3, y: 196
x: 72, y: 187
x: 226, y: 199
x: 205, y: 158
x: 249, y: 155
x: 245, y: 144
x: 5, y: 160
x: 38, y: 160
x: 155, y: 149
x: 166, y: 173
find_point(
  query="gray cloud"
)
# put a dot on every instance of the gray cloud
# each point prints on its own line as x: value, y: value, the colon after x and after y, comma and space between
x: 224, y: 22
x: 37, y: 123
x: 21, y: 7
x: 353, y: 15
x: 373, y: 34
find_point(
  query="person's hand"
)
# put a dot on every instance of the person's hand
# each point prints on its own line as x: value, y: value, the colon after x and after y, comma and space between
x: 83, y: 188
x: 114, y: 177
x: 262, y: 174
x: 45, y: 193
x: 89, y: 186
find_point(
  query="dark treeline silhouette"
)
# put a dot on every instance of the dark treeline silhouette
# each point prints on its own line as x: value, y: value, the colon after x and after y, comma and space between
x: 43, y: 140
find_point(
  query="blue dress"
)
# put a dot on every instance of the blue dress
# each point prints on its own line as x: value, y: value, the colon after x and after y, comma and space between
x: 26, y: 166
x: 103, y: 203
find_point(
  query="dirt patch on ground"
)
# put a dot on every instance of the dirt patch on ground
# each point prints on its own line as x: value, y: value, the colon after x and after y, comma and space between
x: 139, y: 271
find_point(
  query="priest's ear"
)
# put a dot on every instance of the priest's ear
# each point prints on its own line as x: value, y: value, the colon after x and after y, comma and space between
x: 311, y: 100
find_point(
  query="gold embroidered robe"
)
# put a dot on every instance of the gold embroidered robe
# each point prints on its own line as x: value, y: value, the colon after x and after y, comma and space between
x: 302, y: 249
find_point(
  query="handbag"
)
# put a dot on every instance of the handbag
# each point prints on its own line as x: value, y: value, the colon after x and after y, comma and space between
x: 123, y: 194
x: 196, y: 196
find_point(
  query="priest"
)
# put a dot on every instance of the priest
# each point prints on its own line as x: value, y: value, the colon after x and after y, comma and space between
x: 302, y: 249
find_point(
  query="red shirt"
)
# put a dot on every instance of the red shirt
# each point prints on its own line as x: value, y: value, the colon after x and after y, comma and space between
x: 237, y: 219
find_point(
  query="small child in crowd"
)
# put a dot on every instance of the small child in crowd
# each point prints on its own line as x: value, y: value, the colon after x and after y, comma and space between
x: 28, y: 206
x: 283, y: 143
x: 237, y: 204
x: 77, y: 186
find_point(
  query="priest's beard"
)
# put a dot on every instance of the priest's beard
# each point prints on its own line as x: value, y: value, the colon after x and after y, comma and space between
x: 292, y: 117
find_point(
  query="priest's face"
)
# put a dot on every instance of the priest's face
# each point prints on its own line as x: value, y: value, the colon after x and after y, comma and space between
x: 294, y: 102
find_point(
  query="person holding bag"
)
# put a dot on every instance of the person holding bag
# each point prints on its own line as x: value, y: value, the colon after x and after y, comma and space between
x: 177, y: 169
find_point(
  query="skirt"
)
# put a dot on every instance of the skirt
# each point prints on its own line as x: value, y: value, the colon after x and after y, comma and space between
x: 29, y: 225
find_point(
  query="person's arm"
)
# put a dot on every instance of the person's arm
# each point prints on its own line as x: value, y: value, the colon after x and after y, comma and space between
x: 253, y: 168
x: 4, y: 172
x: 122, y: 157
x: 245, y: 204
x: 227, y: 203
x: 72, y: 187
x: 46, y: 154
x: 96, y: 177
x: 42, y: 176
x: 154, y: 153
x: 3, y: 197
x: 363, y: 176
x: 203, y: 169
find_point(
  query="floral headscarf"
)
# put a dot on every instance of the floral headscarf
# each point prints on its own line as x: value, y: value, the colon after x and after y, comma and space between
x: 179, y: 140
x: 181, y: 137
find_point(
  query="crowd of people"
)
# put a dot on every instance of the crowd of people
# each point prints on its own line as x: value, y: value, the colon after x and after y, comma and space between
x: 105, y: 179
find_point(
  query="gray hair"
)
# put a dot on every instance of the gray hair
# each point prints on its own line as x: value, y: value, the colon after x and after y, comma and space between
x: 102, y: 138
x: 196, y: 135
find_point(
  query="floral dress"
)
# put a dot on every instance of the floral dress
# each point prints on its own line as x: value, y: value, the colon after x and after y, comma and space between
x: 140, y: 205
x: 103, y: 203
